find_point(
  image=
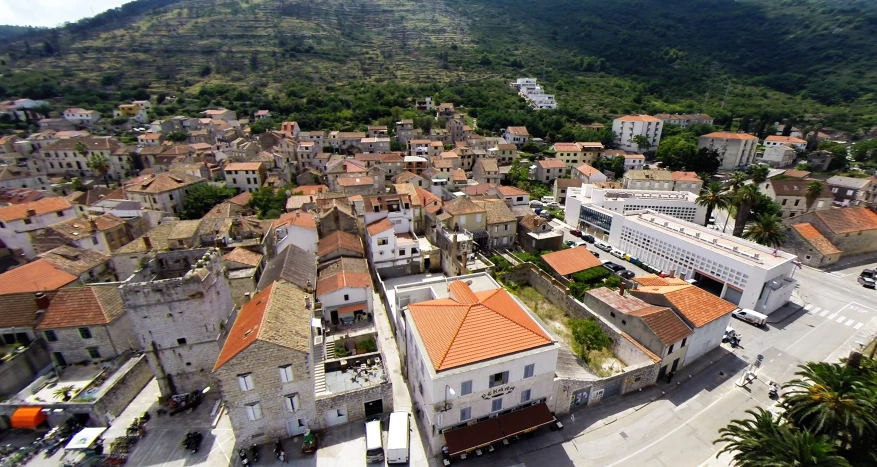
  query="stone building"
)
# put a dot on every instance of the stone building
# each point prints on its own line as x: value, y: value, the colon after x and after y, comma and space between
x: 180, y: 305
x: 820, y: 238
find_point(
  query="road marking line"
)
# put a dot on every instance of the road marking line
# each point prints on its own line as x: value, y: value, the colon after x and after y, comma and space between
x: 805, y: 335
x: 857, y: 306
x: 849, y: 322
x: 824, y: 312
x: 841, y: 319
x: 858, y: 325
x: 833, y: 315
x: 808, y: 306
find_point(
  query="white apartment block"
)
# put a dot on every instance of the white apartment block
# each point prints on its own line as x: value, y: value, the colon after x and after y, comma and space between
x: 81, y: 116
x: 534, y: 93
x: 797, y: 144
x: 581, y: 201
x: 742, y: 272
x: 778, y: 156
x: 18, y: 222
x: 626, y: 128
x: 245, y: 176
x: 737, y: 149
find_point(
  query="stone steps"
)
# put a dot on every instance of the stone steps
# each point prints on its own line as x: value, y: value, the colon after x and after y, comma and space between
x: 320, y: 369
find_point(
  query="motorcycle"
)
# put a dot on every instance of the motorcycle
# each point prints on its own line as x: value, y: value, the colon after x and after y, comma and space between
x: 254, y: 453
x: 243, y: 455
x: 192, y: 442
x: 774, y: 391
x: 278, y: 451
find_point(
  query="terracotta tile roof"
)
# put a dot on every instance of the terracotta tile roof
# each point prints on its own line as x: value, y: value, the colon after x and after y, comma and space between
x: 235, y: 166
x: 298, y: 218
x: 796, y: 188
x: 847, y: 220
x: 497, y: 211
x: 18, y: 310
x: 563, y: 183
x: 184, y: 230
x: 72, y: 260
x: 277, y: 315
x: 339, y: 240
x: 664, y: 323
x: 164, y: 182
x: 355, y: 181
x: 157, y: 238
x: 92, y: 305
x: 680, y: 176
x: 511, y: 191
x: 815, y: 239
x: 224, y: 210
x: 639, y: 118
x: 728, y: 135
x: 571, y: 260
x: 42, y: 206
x: 567, y: 147
x: 785, y: 139
x: 459, y: 175
x: 293, y: 265
x: 518, y: 131
x: 377, y: 227
x: 404, y: 176
x: 696, y: 305
x: 473, y: 327
x: 36, y: 276
x: 96, y: 194
x: 488, y: 165
x: 343, y: 272
x: 654, y: 174
x: 463, y: 205
x: 634, y: 156
x: 551, y: 164
x: 658, y: 281
x: 796, y: 173
x: 93, y: 143
x: 429, y: 201
x: 532, y: 222
x: 243, y: 256
x: 311, y: 189
x: 587, y: 170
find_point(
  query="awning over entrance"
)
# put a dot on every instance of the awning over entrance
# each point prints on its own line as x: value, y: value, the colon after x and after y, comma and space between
x: 524, y: 420
x: 28, y: 417
x: 85, y: 438
x: 473, y: 437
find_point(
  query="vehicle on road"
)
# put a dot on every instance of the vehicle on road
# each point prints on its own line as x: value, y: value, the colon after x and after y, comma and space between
x: 398, y: 438
x: 374, y: 442
x: 575, y: 233
x: 603, y: 246
x: 588, y: 238
x: 536, y: 203
x: 626, y: 274
x: 575, y: 243
x: 617, y: 253
x: 548, y: 199
x: 613, y: 267
x: 545, y: 214
x: 553, y: 205
x: 867, y: 282
x: 869, y: 273
x: 750, y: 316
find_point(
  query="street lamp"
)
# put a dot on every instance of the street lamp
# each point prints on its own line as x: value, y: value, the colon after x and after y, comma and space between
x: 448, y: 389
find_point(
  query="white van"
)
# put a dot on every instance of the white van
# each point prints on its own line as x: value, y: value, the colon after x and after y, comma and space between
x: 374, y: 442
x: 398, y: 437
x: 750, y: 316
x: 548, y: 199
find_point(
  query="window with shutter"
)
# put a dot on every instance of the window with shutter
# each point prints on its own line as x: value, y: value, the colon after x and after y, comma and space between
x: 245, y: 382
x: 285, y: 373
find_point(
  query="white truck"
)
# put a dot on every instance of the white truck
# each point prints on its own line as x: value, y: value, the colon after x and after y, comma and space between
x: 398, y: 438
x: 750, y: 316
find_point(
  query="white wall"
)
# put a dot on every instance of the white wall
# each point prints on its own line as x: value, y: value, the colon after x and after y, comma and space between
x: 335, y: 299
x: 16, y: 234
x: 306, y: 239
x: 706, y: 338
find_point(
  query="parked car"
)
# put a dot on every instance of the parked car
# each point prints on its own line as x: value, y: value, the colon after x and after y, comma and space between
x: 867, y: 282
x: 596, y: 255
x: 536, y: 203
x: 588, y: 238
x: 553, y: 205
x: 548, y: 199
x: 603, y: 246
x: 545, y: 214
x: 750, y: 316
x: 575, y: 233
x: 613, y: 267
x: 869, y: 273
x: 617, y: 253
x: 626, y: 274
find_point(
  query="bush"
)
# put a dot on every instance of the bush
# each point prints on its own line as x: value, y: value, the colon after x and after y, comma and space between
x: 501, y: 263
x: 592, y: 276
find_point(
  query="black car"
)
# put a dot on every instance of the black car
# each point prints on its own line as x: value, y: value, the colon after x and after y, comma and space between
x: 588, y: 238
x: 626, y: 274
x: 613, y: 267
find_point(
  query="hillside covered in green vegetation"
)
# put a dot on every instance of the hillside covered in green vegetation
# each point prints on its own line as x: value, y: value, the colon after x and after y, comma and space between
x: 811, y: 61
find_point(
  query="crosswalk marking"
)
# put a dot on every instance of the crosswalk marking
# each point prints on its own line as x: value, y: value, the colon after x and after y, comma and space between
x: 824, y: 312
x: 858, y: 325
x: 808, y: 306
x: 832, y: 315
x: 841, y: 319
x: 814, y: 310
x: 849, y: 322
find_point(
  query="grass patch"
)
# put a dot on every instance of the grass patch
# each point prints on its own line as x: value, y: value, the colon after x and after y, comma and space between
x: 553, y: 317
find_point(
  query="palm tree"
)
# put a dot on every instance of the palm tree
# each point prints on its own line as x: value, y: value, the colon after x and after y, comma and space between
x: 762, y: 441
x: 737, y: 180
x: 100, y: 164
x: 712, y: 197
x: 833, y: 400
x: 744, y: 198
x: 767, y: 230
x: 759, y: 173
x: 814, y: 189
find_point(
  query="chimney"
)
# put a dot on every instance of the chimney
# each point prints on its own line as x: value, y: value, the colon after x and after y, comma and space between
x: 42, y: 300
x: 621, y: 289
x: 31, y: 213
x: 246, y: 297
x: 147, y: 242
x: 308, y: 286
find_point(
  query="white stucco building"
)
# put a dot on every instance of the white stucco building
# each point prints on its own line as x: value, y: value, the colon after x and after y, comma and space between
x: 81, y: 116
x: 475, y: 359
x: 797, y: 144
x: 626, y: 128
x: 679, y: 204
x: 742, y: 272
x: 295, y: 228
x: 19, y: 222
x: 736, y: 149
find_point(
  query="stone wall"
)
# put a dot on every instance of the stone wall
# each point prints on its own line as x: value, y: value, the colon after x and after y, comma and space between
x: 354, y: 403
x: 20, y: 370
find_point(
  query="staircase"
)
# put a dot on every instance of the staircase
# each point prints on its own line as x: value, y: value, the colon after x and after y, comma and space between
x: 320, y: 368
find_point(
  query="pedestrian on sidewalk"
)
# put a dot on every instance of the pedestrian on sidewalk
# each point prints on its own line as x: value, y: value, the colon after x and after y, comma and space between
x: 572, y: 418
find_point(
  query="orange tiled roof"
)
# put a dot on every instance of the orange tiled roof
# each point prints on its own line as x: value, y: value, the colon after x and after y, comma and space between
x: 551, y: 164
x: 377, y: 227
x: 587, y: 169
x: 680, y: 176
x: 664, y: 323
x: 355, y: 181
x: 243, y: 256
x: 698, y: 306
x: 92, y: 305
x: 571, y: 260
x: 36, y: 276
x: 243, y: 166
x: 343, y: 272
x: 639, y: 118
x: 241, y: 199
x: 658, y: 281
x: 567, y: 147
x: 785, y: 139
x: 510, y: 191
x: 471, y: 327
x: 814, y: 238
x: 43, y: 206
x: 728, y: 135
x: 298, y: 219
x: 339, y: 239
x: 518, y: 131
x: 311, y: 189
x: 847, y: 220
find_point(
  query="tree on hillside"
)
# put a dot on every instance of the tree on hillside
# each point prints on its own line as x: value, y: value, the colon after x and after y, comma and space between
x: 588, y: 335
x: 675, y: 151
x: 267, y: 203
x: 712, y: 197
x: 766, y: 230
x: 744, y: 199
x: 642, y: 142
x: 202, y: 198
x: 178, y: 136
x: 519, y: 172
x: 762, y: 441
x: 261, y: 126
